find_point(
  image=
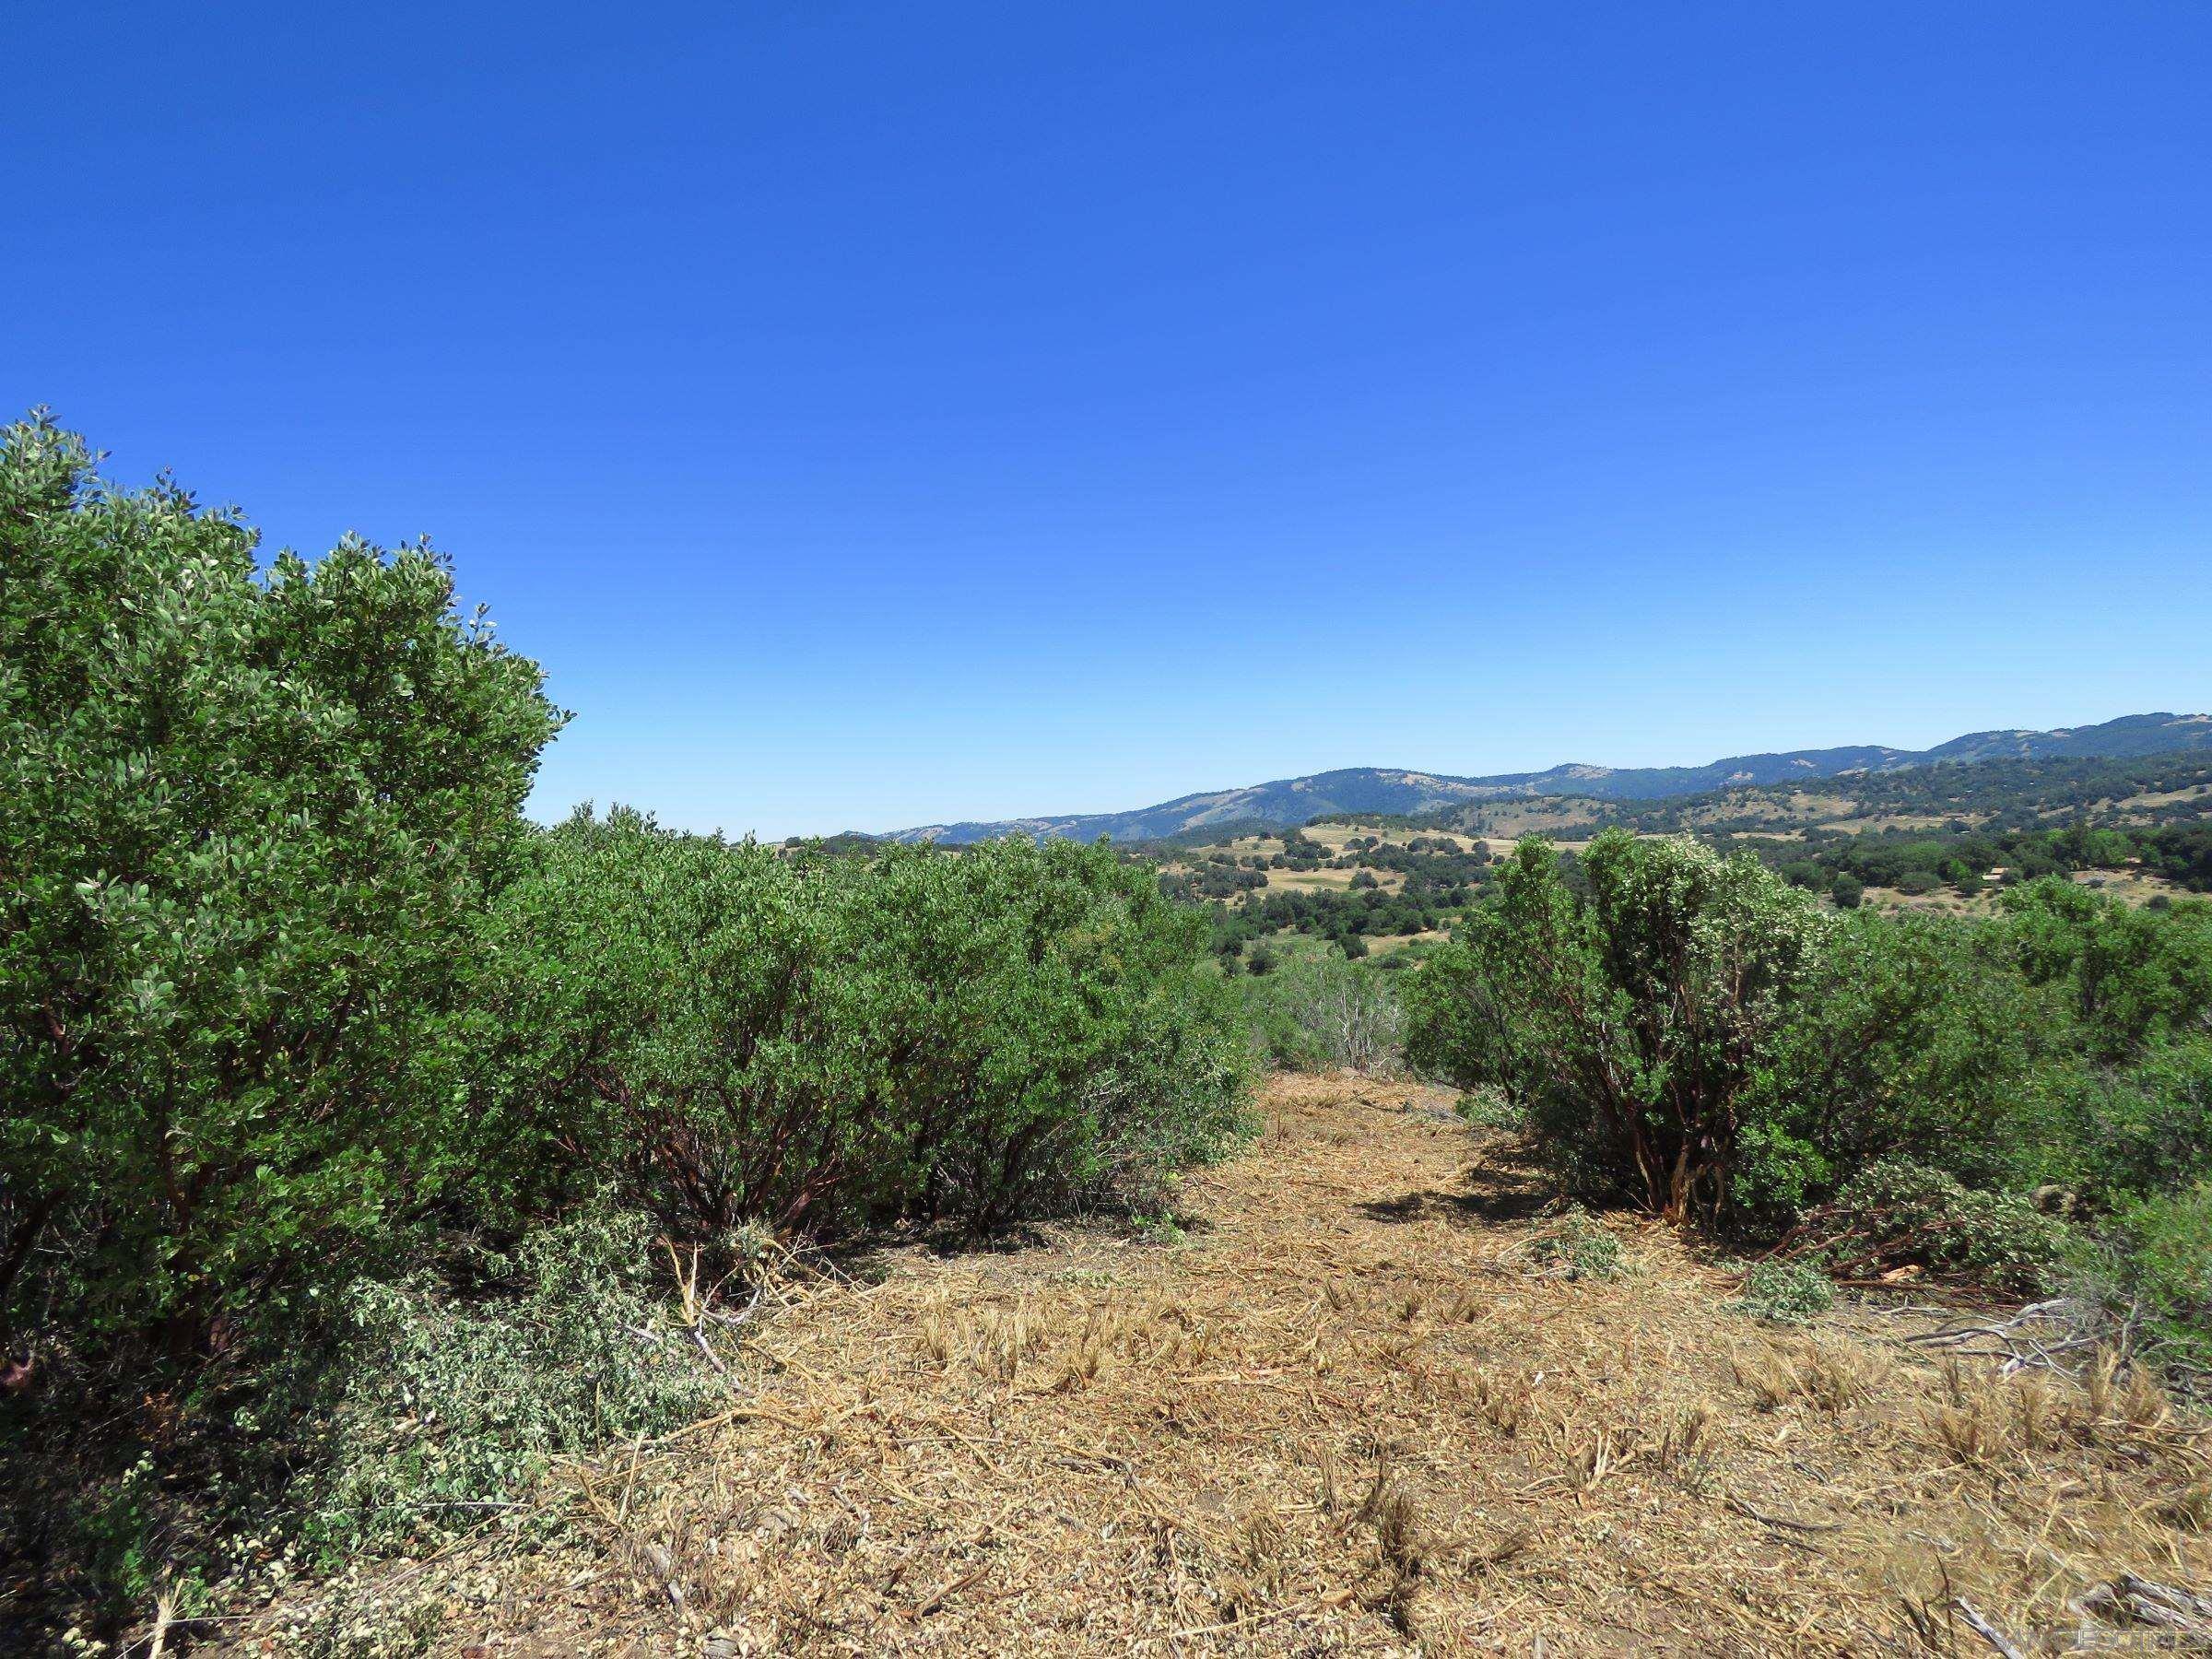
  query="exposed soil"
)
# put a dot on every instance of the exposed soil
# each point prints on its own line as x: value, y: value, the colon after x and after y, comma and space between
x: 1349, y: 1410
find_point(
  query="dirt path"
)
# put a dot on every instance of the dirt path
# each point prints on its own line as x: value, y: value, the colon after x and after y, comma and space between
x: 1350, y: 1412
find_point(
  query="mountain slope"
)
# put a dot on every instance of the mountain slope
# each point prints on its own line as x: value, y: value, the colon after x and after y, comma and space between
x: 1384, y: 789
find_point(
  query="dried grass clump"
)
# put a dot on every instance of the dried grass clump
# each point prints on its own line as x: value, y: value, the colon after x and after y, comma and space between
x: 1330, y: 1498
x: 2188, y: 1508
x: 1830, y: 1375
x: 1259, y: 1571
x: 1591, y: 1454
x: 935, y: 1335
x: 1687, y: 1437
x: 1971, y: 1432
x: 1402, y: 1545
x: 2127, y: 1399
x: 1461, y: 1309
x: 1981, y: 1419
x: 1505, y: 1400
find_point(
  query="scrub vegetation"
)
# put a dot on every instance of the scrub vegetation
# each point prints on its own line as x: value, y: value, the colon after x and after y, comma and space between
x: 325, y: 1068
x: 2021, y: 1102
x: 421, y: 1228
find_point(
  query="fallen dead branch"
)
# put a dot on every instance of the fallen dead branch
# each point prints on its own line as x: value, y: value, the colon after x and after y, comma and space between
x: 1987, y: 1631
x: 2130, y: 1599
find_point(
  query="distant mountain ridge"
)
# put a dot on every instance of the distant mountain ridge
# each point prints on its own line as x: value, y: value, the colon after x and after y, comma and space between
x: 1391, y: 790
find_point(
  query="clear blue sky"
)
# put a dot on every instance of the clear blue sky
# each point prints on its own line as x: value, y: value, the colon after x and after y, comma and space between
x: 875, y: 415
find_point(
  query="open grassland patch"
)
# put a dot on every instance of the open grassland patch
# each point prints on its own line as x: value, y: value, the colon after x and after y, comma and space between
x: 1510, y: 821
x: 2143, y: 801
x: 2135, y: 887
x: 1384, y: 944
x: 1351, y: 1403
x: 1311, y: 880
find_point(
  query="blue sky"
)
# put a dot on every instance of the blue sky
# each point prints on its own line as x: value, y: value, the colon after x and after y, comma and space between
x: 876, y: 414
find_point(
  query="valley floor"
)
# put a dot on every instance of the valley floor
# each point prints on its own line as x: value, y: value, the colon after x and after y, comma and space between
x: 1347, y: 1411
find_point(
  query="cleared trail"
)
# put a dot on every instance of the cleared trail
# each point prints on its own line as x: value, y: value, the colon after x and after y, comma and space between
x: 1348, y: 1411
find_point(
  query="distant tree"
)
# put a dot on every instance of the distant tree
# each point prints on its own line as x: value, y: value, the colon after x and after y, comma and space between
x: 1847, y: 891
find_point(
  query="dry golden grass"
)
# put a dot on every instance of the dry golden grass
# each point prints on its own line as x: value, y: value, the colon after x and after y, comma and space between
x: 1345, y: 1415
x: 1331, y: 836
x: 1325, y: 880
x: 1802, y: 805
x: 2131, y: 885
x: 2138, y: 806
x: 1875, y: 823
x: 1510, y: 820
x: 1384, y: 944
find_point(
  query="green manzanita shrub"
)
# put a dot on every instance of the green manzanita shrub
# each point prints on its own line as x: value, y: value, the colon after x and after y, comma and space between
x: 2160, y: 1265
x: 1910, y: 1037
x: 2132, y: 977
x: 1630, y: 1022
x: 252, y: 817
x: 666, y: 1011
x: 1785, y: 1293
x: 1693, y: 1034
x: 734, y: 1033
x: 249, y: 821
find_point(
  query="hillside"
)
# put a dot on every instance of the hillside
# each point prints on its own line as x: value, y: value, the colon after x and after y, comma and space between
x: 1986, y: 794
x: 1382, y: 790
x: 1948, y: 837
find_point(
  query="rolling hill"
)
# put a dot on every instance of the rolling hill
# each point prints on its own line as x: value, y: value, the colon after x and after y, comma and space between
x: 1369, y: 789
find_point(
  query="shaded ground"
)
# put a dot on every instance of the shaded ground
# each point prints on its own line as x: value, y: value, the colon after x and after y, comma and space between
x: 1351, y: 1415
